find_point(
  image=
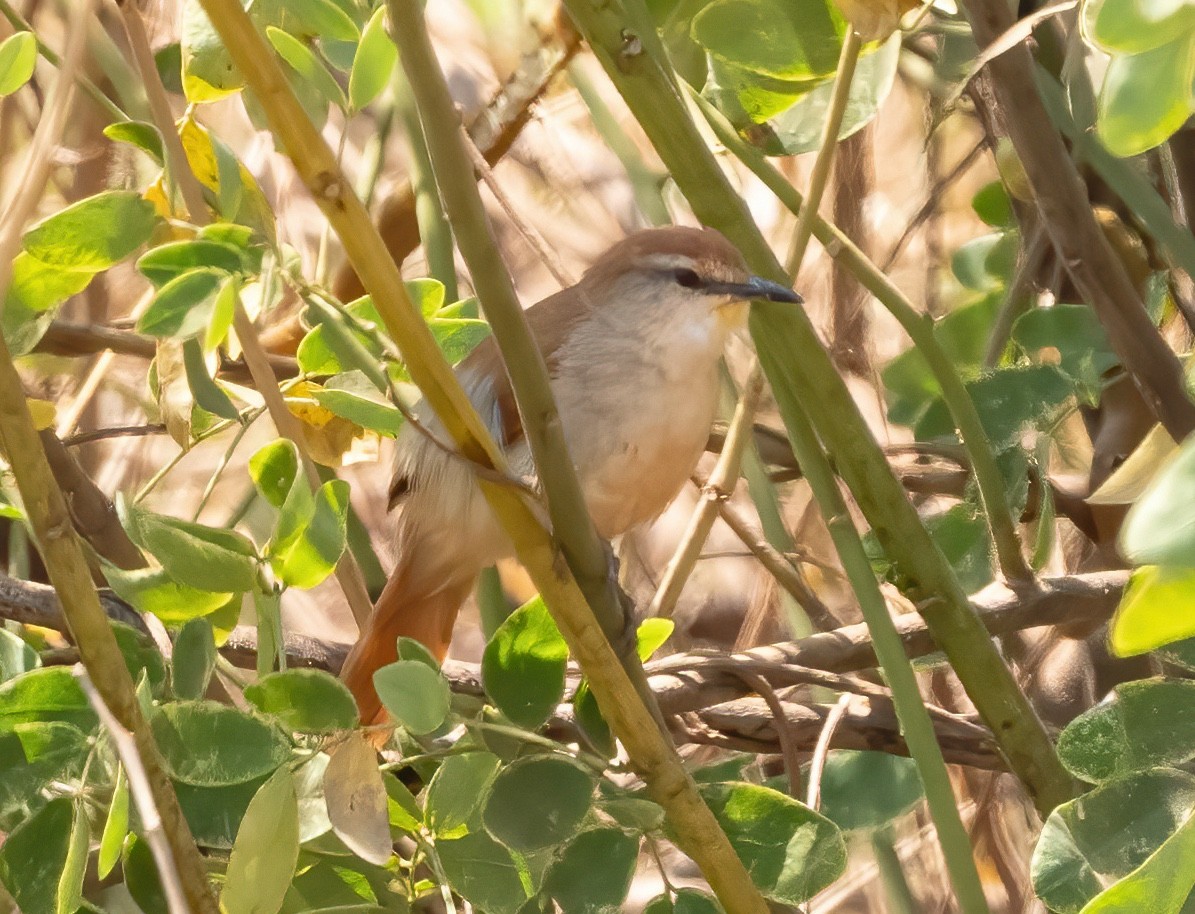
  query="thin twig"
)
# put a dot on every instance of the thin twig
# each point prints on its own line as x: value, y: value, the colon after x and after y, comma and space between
x: 813, y: 798
x: 151, y: 821
x: 717, y: 489
x: 526, y: 230
x: 115, y: 431
x: 779, y: 567
x: 933, y: 200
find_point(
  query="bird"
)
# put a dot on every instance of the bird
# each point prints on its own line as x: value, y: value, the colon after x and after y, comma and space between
x: 632, y: 352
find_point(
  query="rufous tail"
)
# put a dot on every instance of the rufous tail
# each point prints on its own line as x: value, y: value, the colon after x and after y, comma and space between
x: 405, y: 609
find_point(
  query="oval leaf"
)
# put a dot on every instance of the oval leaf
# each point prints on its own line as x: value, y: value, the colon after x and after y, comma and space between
x: 206, y: 744
x: 357, y: 800
x: 307, y: 701
x: 791, y: 852
x: 18, y: 55
x: 266, y: 849
x: 538, y: 802
x: 416, y: 696
x: 94, y: 233
x: 524, y: 664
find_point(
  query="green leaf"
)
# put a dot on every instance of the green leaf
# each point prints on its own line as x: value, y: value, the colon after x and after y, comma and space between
x: 47, y: 693
x: 215, y: 813
x: 16, y: 655
x: 593, y: 875
x: 69, y: 892
x: 266, y: 849
x: 33, y: 757
x: 537, y: 802
x: 482, y: 871
x: 1008, y: 400
x: 153, y: 590
x: 782, y: 39
x: 307, y: 701
x: 208, y: 72
x: 18, y: 55
x: 791, y: 852
x: 1147, y: 618
x: 333, y: 345
x: 416, y: 696
x: 1077, y: 335
x: 981, y: 264
x: 451, y: 808
x: 798, y: 129
x: 688, y: 901
x: 592, y: 723
x: 169, y: 261
x: 1161, y: 885
x: 961, y: 532
x: 140, y: 134
x: 1133, y: 26
x: 353, y: 396
x: 208, y: 394
x: 373, y: 63
x: 273, y: 469
x: 426, y: 294
x: 206, y: 744
x: 458, y: 336
x: 321, y: 19
x: 634, y: 814
x: 116, y: 826
x: 38, y: 286
x: 141, y: 655
x: 1146, y: 96
x: 410, y: 649
x: 1107, y: 834
x: 141, y: 875
x: 402, y: 807
x: 184, y: 306
x: 1160, y: 527
x: 307, y: 66
x: 651, y: 635
x: 33, y: 857
x: 94, y: 233
x: 206, y: 558
x: 523, y: 666
x: 310, y: 536
x: 868, y: 789
x: 1148, y: 723
x: 194, y: 659
x: 992, y: 205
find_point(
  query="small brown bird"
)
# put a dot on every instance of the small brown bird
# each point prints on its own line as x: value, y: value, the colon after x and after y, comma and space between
x: 632, y: 351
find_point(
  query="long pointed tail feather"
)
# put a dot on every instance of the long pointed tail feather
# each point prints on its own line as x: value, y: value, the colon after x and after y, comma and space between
x: 405, y: 609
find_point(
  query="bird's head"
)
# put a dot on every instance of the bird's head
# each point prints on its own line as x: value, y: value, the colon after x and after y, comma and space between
x: 683, y: 267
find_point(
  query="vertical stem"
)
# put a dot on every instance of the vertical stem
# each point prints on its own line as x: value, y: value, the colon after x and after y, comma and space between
x: 435, y: 233
x: 916, y: 726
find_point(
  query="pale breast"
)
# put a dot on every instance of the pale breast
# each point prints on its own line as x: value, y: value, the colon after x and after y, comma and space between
x: 639, y: 420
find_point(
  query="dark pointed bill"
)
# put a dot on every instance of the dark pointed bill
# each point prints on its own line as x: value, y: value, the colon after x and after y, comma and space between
x: 757, y: 288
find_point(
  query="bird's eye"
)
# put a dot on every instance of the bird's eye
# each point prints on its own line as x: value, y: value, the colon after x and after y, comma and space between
x: 687, y: 278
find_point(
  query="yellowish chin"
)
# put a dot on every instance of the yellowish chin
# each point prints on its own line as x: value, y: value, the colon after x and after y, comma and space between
x: 733, y: 316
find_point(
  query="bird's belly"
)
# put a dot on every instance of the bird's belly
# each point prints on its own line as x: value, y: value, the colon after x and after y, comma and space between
x: 632, y: 466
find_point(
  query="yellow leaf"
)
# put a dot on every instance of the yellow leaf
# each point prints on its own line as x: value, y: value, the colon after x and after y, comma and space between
x: 43, y: 413
x: 1131, y: 478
